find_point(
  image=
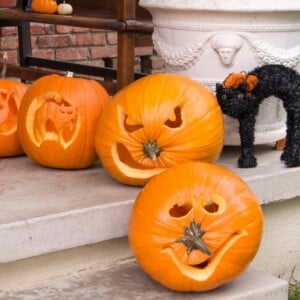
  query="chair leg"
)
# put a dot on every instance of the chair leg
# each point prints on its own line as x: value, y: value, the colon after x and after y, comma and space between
x: 125, y: 69
x: 24, y: 36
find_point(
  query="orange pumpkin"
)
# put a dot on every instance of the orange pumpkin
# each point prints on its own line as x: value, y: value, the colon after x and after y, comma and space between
x: 156, y: 122
x: 11, y: 93
x: 44, y: 6
x: 195, y: 227
x: 58, y: 120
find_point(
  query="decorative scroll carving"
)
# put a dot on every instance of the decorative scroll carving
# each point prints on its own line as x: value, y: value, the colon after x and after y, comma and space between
x: 270, y: 54
x: 178, y: 57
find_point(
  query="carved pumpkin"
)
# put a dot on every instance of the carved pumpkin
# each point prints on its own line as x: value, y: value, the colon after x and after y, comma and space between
x: 44, y: 6
x: 11, y: 93
x: 156, y: 122
x: 195, y: 227
x: 58, y: 120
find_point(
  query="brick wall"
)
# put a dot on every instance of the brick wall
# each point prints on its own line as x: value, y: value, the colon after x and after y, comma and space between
x: 78, y: 44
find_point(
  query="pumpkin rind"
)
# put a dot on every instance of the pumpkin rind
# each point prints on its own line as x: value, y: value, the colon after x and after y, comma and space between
x: 228, y: 214
x: 58, y: 120
x: 44, y: 6
x: 11, y: 94
x: 156, y: 122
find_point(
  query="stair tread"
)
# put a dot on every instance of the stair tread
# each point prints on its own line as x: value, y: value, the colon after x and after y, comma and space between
x: 126, y: 280
x: 45, y: 210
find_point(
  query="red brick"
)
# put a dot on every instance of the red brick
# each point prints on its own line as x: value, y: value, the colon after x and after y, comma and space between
x: 97, y: 63
x: 140, y: 51
x: 63, y: 29
x: 72, y: 53
x: 109, y: 51
x: 9, y: 43
x: 12, y: 57
x: 39, y: 28
x: 112, y: 38
x: 98, y: 38
x: 54, y: 41
x: 9, y: 30
x: 45, y: 53
x: 80, y: 29
x: 157, y: 63
x: 82, y: 39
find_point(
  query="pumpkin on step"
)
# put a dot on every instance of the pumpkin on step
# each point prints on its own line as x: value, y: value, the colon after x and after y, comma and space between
x: 44, y: 6
x: 58, y: 120
x: 11, y: 94
x: 195, y: 227
x: 156, y: 122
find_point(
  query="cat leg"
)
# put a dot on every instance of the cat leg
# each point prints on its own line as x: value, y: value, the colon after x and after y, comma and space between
x: 246, y: 129
x: 291, y: 154
x: 289, y: 135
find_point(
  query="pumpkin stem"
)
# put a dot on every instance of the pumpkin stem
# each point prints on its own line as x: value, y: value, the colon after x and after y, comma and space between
x: 151, y: 150
x: 4, y: 67
x: 192, y: 238
x: 69, y: 74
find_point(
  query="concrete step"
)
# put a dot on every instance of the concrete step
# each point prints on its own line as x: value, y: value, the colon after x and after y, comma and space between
x: 125, y: 280
x: 46, y: 210
x: 56, y: 221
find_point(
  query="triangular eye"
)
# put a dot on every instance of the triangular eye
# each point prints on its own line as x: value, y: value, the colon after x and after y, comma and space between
x: 131, y: 124
x: 175, y: 120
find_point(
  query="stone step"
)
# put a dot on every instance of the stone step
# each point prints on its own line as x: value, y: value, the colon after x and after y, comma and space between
x: 45, y: 210
x: 126, y: 280
x: 54, y: 222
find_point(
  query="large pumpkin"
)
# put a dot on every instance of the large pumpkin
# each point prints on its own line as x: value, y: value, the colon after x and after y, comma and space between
x: 11, y: 94
x: 195, y: 227
x: 156, y: 122
x: 58, y: 120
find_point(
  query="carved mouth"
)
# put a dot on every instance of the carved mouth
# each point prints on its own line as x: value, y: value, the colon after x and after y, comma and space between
x: 128, y: 166
x: 205, y: 270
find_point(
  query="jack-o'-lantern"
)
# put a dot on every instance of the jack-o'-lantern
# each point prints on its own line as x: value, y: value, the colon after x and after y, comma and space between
x: 11, y: 94
x: 156, y: 122
x: 58, y: 120
x: 195, y: 227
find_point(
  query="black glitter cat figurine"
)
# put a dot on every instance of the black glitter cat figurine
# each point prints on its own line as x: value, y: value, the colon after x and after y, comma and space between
x: 240, y: 96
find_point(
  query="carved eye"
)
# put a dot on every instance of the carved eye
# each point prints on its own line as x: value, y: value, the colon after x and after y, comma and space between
x: 175, y: 120
x: 224, y: 97
x: 240, y: 96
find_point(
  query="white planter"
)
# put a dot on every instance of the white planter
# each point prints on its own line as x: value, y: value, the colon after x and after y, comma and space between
x: 209, y: 39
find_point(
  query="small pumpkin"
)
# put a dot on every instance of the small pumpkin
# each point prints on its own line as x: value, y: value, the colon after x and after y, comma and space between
x: 11, y: 94
x: 156, y: 122
x: 44, y: 6
x: 64, y: 8
x: 195, y: 227
x: 58, y: 120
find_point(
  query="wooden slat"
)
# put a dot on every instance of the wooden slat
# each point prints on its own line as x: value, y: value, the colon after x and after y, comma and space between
x: 31, y: 74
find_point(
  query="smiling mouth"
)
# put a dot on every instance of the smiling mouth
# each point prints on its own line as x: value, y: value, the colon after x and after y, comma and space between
x: 203, y: 271
x: 129, y: 166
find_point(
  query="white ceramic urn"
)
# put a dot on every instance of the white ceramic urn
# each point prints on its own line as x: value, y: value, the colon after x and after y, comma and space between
x: 209, y: 39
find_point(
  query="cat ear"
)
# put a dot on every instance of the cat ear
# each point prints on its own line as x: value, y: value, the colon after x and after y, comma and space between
x: 234, y: 80
x: 252, y: 81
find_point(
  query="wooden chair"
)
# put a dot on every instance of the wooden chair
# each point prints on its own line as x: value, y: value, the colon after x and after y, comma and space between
x: 131, y: 22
